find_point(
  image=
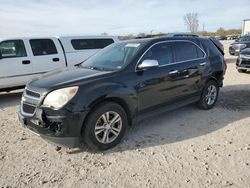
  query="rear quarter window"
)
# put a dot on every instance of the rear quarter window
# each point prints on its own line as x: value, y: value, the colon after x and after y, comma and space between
x: 87, y: 44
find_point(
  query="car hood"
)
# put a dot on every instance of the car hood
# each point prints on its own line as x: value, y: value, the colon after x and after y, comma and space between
x: 243, y: 42
x: 246, y: 51
x: 66, y: 77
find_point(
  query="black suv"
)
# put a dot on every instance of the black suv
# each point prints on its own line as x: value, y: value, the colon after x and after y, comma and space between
x: 240, y: 44
x: 98, y: 99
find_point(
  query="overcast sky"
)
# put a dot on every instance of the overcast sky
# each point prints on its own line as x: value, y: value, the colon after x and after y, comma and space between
x: 115, y: 17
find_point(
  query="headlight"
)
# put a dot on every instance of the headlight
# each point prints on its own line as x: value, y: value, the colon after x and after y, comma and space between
x: 241, y: 56
x: 242, y: 46
x: 58, y: 98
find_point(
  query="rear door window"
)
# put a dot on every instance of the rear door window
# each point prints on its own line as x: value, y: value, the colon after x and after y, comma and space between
x: 87, y: 44
x: 43, y: 47
x: 12, y: 48
x: 186, y: 51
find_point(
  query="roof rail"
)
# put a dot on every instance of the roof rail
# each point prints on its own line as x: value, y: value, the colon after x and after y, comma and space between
x: 183, y: 35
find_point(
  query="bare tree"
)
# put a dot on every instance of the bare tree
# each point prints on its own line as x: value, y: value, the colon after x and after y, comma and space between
x: 192, y: 22
x: 104, y: 33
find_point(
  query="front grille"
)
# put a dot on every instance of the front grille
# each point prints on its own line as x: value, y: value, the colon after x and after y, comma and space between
x: 28, y: 108
x: 245, y: 62
x: 32, y: 93
x: 30, y: 100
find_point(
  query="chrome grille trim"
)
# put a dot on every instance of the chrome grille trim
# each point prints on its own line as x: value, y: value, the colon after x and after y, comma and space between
x: 30, y: 100
x: 32, y: 93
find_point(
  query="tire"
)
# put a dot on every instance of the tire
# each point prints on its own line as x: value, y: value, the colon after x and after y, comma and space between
x: 242, y: 71
x: 206, y: 103
x: 98, y: 132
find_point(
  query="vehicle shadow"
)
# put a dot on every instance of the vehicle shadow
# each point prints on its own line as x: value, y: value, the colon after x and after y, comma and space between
x: 10, y: 99
x: 187, y: 122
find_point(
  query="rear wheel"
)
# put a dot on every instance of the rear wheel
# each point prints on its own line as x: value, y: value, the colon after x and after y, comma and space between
x: 105, y: 126
x: 242, y: 71
x: 209, y: 95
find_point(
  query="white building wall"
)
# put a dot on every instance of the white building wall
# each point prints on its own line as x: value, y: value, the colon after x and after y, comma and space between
x: 246, y: 27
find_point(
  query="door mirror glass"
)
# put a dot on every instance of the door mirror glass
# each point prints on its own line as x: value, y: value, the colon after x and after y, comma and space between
x: 148, y: 63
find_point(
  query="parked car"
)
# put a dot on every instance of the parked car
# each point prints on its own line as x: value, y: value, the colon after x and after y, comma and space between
x: 221, y: 37
x: 126, y: 81
x: 23, y: 59
x: 240, y: 44
x: 233, y: 37
x: 243, y: 61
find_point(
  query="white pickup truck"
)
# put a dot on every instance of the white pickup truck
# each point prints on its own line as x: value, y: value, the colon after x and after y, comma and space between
x: 22, y: 59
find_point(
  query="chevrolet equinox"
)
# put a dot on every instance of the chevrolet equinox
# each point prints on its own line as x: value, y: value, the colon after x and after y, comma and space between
x: 95, y: 101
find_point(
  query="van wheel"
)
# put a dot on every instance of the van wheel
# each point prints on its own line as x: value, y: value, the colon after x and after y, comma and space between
x: 209, y: 95
x: 242, y: 71
x: 105, y: 126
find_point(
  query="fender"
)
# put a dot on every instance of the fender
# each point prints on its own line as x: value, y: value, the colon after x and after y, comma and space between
x: 107, y: 91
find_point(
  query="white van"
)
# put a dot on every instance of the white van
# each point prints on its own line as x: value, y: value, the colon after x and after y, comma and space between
x: 22, y: 59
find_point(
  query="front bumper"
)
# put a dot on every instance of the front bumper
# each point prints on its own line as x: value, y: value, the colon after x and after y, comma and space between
x: 62, y: 131
x: 243, y: 64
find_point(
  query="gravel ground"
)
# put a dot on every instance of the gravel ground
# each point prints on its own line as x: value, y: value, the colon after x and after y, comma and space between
x: 187, y: 147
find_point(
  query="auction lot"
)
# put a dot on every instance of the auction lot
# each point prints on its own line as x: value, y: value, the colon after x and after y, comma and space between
x: 187, y: 147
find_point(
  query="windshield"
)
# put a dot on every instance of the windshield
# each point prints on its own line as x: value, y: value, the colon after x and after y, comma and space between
x: 244, y: 38
x: 113, y: 57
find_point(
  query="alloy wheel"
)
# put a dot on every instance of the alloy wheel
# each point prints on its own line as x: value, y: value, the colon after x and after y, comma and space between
x: 108, y: 127
x: 211, y: 95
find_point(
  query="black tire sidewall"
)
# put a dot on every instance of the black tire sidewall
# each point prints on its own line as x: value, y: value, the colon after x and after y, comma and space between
x: 89, y: 127
x: 241, y: 71
x: 202, y: 103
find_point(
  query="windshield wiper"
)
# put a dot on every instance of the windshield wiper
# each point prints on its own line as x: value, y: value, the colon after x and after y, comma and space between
x: 97, y: 68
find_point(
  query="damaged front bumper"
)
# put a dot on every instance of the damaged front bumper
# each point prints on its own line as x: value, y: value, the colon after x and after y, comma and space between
x: 61, y: 127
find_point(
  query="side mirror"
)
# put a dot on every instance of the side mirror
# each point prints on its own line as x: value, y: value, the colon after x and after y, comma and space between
x: 1, y: 57
x: 148, y: 63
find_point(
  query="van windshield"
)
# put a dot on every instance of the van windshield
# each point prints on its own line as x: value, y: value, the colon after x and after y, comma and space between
x: 114, y: 57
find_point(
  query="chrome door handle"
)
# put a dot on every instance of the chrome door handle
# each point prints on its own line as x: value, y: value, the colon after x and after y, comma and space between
x: 173, y: 72
x: 203, y: 64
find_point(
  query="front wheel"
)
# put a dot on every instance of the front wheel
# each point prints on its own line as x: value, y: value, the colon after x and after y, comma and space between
x: 105, y: 126
x: 209, y: 95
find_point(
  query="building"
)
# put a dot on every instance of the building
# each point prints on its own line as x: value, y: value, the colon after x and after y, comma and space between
x: 246, y: 27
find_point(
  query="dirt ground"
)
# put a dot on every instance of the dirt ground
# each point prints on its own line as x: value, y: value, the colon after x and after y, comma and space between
x: 187, y: 147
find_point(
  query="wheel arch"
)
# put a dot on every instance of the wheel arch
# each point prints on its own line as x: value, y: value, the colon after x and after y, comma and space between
x: 217, y: 77
x: 116, y: 100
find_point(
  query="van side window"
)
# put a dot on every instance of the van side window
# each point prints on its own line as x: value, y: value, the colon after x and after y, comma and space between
x: 185, y: 51
x: 12, y: 48
x: 43, y: 47
x: 161, y: 52
x: 87, y: 44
